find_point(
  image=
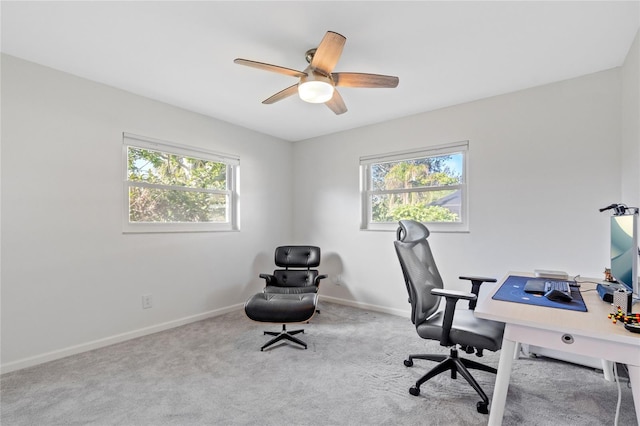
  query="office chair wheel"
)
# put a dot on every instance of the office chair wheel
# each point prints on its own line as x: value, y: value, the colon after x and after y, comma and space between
x: 408, y: 363
x: 482, y: 407
x: 414, y: 390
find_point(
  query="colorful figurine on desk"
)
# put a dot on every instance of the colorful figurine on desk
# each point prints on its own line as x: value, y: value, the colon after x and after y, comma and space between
x: 607, y: 275
x: 625, y: 318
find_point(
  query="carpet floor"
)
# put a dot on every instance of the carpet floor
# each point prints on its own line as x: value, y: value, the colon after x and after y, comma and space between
x: 212, y: 372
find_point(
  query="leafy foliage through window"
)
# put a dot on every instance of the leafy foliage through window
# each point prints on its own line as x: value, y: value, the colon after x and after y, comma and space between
x: 428, y: 186
x: 173, y: 185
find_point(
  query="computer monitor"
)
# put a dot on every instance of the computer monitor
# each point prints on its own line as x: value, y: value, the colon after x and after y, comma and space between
x: 624, y: 251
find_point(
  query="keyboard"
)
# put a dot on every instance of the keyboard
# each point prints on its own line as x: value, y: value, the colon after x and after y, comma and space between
x: 563, y: 286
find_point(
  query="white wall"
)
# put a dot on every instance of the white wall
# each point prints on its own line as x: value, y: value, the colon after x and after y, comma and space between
x: 630, y: 164
x: 542, y: 161
x: 71, y: 280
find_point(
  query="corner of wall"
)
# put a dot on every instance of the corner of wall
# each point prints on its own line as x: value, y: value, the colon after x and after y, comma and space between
x: 630, y: 125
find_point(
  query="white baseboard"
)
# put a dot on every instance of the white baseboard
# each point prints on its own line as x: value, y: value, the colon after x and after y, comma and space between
x: 107, y: 341
x: 376, y: 308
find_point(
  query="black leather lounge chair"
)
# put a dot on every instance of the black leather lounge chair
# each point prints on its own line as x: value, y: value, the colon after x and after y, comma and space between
x: 290, y: 294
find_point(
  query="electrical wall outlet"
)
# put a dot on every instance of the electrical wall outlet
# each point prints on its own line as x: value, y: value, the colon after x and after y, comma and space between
x: 147, y: 301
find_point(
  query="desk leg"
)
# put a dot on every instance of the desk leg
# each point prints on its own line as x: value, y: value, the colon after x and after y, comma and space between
x: 634, y: 378
x: 501, y: 387
x: 607, y: 369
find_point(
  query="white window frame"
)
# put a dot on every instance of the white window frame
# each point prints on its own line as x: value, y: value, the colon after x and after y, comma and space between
x: 233, y: 172
x: 366, y: 191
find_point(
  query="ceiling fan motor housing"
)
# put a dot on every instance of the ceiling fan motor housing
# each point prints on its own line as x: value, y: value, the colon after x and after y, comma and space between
x: 309, y: 54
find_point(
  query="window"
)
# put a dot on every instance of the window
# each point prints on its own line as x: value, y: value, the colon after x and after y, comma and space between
x: 428, y: 185
x: 174, y: 188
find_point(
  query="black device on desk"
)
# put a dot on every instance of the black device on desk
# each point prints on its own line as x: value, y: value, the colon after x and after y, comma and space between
x: 606, y: 290
x: 634, y: 328
x: 558, y: 291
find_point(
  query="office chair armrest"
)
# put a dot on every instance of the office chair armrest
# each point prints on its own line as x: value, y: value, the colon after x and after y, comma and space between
x: 475, y: 286
x: 455, y: 294
x: 271, y: 280
x: 451, y: 298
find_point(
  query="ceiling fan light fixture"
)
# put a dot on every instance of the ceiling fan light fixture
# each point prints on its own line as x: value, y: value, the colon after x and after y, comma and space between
x: 315, y: 88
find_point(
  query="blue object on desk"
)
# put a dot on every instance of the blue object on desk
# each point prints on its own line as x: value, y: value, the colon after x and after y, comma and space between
x: 512, y: 290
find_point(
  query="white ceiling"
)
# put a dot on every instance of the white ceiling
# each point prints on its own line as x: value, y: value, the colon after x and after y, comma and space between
x: 444, y: 53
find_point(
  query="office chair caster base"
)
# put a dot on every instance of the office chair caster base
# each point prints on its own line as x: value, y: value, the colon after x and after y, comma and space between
x: 429, y: 357
x: 414, y: 390
x: 483, y: 407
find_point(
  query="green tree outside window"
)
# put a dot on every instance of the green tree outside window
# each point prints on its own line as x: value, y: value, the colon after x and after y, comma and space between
x: 166, y: 187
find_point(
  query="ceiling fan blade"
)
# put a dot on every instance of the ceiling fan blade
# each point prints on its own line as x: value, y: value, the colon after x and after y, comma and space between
x: 336, y: 103
x: 269, y: 67
x: 356, y: 79
x: 328, y: 52
x: 289, y: 91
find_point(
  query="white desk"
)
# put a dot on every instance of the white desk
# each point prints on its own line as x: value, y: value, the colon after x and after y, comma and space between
x: 586, y: 333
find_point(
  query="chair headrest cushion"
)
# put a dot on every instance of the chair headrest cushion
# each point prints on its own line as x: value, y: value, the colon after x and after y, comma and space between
x: 410, y: 231
x: 297, y: 256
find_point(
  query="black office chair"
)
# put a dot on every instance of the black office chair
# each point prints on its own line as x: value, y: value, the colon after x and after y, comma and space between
x: 450, y: 326
x: 290, y: 294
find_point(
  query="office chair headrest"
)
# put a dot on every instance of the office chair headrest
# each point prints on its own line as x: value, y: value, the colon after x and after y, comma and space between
x: 410, y: 231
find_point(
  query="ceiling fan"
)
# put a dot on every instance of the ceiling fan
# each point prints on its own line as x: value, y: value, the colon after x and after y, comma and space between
x: 318, y: 82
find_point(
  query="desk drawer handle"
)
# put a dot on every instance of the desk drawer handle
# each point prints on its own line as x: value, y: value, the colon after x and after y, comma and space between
x: 567, y: 338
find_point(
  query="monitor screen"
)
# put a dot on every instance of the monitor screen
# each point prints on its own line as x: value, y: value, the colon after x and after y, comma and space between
x: 624, y: 250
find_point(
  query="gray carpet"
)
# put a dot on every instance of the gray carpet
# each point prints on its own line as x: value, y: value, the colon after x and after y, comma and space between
x: 213, y: 373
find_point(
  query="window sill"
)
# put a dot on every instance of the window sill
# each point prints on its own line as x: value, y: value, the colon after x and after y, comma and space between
x: 167, y: 228
x: 435, y: 228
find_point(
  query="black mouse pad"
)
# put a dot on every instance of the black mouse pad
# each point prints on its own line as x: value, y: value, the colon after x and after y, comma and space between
x: 512, y: 290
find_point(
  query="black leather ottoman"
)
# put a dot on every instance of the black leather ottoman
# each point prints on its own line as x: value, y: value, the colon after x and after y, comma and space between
x: 282, y: 308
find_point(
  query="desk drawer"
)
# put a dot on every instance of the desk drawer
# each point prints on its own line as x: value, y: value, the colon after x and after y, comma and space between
x: 574, y: 358
x: 574, y: 343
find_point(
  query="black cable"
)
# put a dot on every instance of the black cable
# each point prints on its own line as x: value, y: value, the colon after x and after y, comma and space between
x: 586, y: 281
